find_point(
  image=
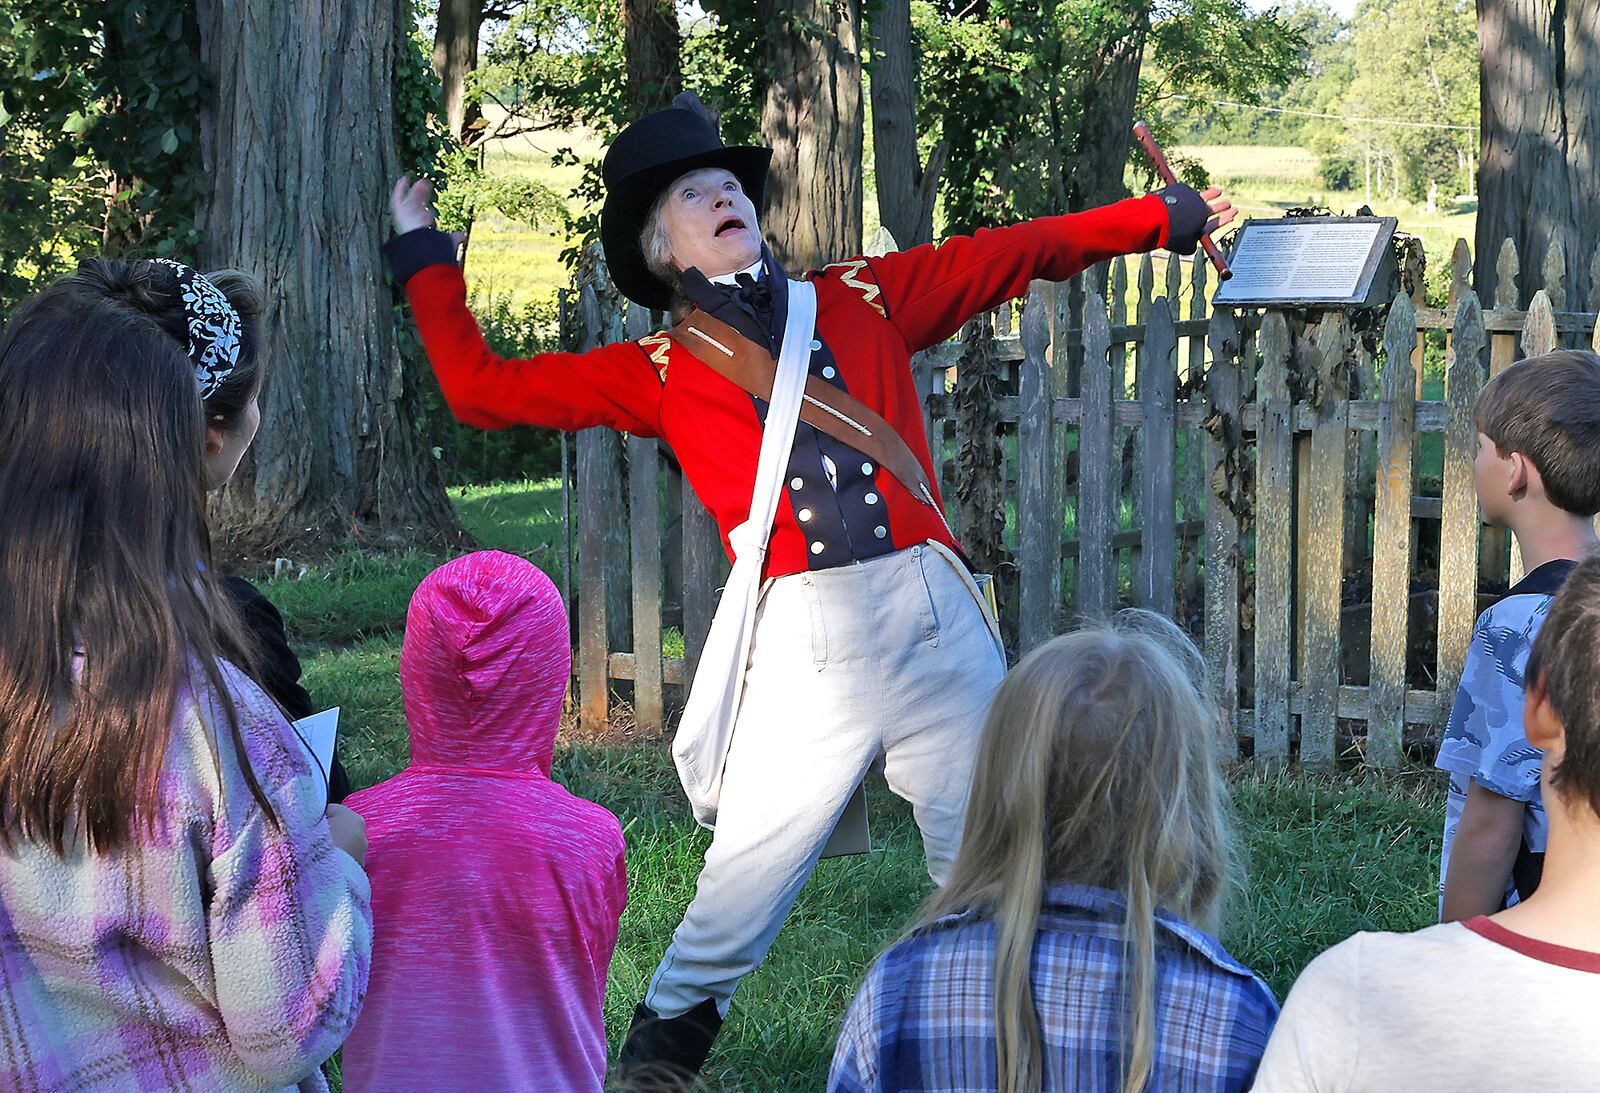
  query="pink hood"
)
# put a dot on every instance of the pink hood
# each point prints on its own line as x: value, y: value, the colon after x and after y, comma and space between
x: 485, y: 664
x: 496, y: 892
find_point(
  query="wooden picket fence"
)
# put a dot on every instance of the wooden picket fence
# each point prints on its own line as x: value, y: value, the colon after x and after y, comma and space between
x: 1265, y: 477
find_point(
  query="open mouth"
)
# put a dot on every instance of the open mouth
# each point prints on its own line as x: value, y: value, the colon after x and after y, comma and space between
x: 730, y: 224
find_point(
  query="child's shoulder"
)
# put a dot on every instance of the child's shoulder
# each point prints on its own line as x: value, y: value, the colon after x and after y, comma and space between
x: 1526, y: 602
x: 275, y: 753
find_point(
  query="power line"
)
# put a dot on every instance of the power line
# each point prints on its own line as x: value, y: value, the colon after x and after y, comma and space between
x: 1331, y: 117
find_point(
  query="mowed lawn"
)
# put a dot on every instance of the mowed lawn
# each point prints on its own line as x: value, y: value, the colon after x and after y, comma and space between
x: 1324, y: 857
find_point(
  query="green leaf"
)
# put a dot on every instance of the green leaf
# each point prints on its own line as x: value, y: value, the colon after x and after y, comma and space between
x: 75, y: 123
x: 169, y: 142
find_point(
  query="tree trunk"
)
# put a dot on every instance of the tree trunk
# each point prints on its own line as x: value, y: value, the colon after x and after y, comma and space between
x: 906, y: 188
x: 813, y: 120
x: 298, y: 143
x: 1092, y: 171
x: 455, y: 57
x: 1540, y: 104
x: 651, y: 44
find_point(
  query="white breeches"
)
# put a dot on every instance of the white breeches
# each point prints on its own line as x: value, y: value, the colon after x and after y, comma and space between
x: 893, y: 656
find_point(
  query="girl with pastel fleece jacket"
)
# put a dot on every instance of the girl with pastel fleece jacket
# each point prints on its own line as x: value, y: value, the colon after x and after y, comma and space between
x: 496, y: 891
x: 179, y: 908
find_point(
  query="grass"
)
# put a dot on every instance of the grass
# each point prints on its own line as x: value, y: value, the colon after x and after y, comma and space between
x: 1325, y: 857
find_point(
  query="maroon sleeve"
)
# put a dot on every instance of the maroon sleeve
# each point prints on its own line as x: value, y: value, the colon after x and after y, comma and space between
x: 615, y: 385
x: 930, y: 291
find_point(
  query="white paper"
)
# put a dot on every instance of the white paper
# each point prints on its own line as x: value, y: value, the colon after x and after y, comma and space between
x: 1289, y: 261
x: 319, y: 731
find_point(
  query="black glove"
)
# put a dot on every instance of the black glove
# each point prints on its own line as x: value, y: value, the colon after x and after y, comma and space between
x: 1187, y: 213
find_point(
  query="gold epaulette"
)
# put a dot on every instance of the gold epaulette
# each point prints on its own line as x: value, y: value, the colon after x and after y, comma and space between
x: 659, y: 348
x: 849, y: 274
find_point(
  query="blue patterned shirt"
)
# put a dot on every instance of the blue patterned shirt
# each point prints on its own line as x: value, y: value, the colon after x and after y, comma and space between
x: 1483, y: 740
x: 924, y: 1018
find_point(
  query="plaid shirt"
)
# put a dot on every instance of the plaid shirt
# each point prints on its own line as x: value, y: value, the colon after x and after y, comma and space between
x: 220, y: 953
x: 924, y: 1018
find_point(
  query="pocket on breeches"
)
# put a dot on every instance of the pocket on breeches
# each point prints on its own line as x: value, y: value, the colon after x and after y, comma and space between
x: 819, y: 626
x: 921, y: 560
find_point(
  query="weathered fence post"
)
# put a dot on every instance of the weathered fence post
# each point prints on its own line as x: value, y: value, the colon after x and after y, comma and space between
x: 1539, y: 328
x: 1097, y: 469
x: 1131, y: 458
x: 1323, y: 539
x: 644, y: 508
x: 1274, y: 545
x: 599, y: 487
x: 1555, y: 275
x: 1157, y: 396
x: 703, y: 559
x: 1224, y: 451
x: 1066, y: 370
x: 1458, y: 532
x: 1192, y: 451
x: 1391, y: 553
x: 1038, y: 528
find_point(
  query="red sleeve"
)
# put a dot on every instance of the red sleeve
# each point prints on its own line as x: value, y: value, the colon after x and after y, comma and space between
x: 930, y: 291
x: 615, y: 385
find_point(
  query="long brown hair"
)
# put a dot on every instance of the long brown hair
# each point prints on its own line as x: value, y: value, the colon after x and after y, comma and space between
x: 106, y: 592
x: 1098, y: 766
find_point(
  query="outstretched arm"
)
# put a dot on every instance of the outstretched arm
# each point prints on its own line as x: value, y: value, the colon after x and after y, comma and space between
x: 930, y: 291
x: 615, y: 385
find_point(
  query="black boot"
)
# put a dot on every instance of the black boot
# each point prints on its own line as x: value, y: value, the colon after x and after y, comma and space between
x: 665, y: 1054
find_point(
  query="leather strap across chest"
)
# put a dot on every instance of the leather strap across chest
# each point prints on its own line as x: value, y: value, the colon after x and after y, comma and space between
x: 826, y: 408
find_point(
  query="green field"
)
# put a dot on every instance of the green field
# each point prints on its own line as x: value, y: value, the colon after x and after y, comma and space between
x: 1324, y: 857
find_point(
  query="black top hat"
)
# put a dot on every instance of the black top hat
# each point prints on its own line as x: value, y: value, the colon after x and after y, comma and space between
x: 646, y: 158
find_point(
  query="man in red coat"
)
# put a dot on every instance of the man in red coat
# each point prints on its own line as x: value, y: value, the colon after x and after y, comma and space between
x: 870, y: 638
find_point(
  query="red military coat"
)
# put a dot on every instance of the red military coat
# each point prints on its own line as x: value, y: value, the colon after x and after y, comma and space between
x: 872, y: 315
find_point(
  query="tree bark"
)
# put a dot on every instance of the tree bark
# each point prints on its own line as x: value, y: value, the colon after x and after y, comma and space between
x: 1539, y: 75
x: 1092, y: 171
x: 455, y: 57
x: 813, y: 120
x: 907, y: 188
x: 298, y: 142
x: 653, y: 49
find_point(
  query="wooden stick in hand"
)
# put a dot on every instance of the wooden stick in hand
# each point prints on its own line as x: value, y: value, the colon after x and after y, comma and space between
x: 1147, y: 141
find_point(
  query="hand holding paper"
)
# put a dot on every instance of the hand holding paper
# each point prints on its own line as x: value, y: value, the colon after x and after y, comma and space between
x: 318, y: 733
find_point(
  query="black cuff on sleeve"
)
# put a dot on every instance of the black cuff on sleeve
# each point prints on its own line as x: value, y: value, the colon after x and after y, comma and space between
x: 1187, y: 213
x: 414, y: 251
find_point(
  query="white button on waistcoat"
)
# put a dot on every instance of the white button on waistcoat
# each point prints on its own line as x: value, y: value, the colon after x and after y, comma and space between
x: 829, y: 372
x: 815, y: 345
x: 804, y: 514
x: 866, y: 468
x: 796, y: 482
x: 872, y: 499
x: 816, y: 548
x: 880, y: 531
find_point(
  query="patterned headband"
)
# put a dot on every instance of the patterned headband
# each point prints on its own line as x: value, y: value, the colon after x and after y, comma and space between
x: 215, y: 329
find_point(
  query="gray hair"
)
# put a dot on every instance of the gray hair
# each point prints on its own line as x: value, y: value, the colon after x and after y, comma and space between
x: 656, y: 246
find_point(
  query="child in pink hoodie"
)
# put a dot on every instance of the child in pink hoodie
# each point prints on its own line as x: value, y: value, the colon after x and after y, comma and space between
x: 495, y: 892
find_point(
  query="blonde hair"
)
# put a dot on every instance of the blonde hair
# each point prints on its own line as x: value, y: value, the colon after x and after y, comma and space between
x: 1099, y: 766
